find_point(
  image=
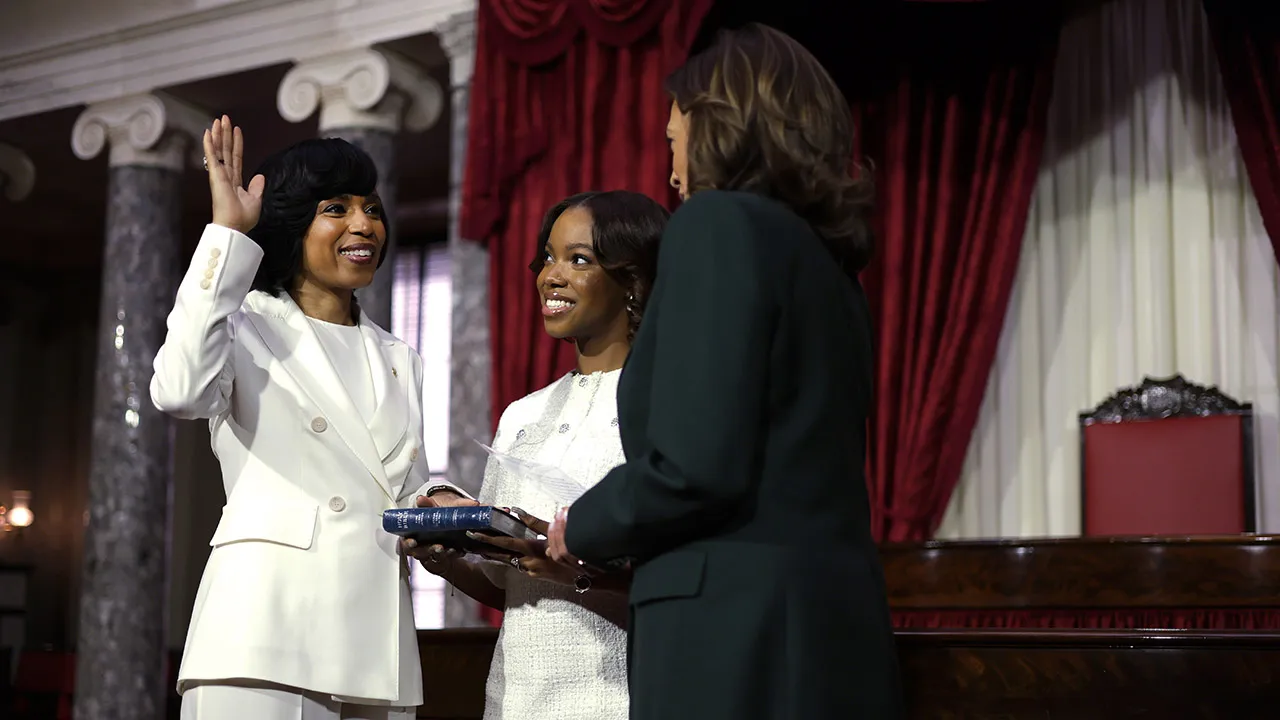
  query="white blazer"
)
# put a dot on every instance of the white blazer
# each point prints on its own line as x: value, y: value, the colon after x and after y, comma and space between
x: 303, y: 587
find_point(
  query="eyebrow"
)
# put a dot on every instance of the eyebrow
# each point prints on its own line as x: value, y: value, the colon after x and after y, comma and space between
x: 570, y: 247
x: 372, y: 197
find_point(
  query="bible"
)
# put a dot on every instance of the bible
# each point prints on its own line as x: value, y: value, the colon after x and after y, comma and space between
x: 448, y: 526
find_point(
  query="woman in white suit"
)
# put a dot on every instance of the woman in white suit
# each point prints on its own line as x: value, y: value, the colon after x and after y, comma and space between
x: 316, y: 420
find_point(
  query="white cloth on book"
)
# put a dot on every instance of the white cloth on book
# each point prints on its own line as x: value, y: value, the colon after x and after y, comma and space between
x: 560, y: 654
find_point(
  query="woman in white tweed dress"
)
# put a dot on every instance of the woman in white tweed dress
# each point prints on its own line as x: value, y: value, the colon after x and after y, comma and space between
x: 561, y: 654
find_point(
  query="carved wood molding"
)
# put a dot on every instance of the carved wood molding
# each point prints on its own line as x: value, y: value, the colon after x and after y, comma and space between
x: 1158, y: 398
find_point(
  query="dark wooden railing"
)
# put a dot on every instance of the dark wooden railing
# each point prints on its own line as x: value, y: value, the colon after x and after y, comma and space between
x: 1046, y: 672
x: 1073, y: 658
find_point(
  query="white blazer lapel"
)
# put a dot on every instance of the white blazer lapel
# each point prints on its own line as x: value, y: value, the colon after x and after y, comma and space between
x: 390, y: 369
x: 294, y: 343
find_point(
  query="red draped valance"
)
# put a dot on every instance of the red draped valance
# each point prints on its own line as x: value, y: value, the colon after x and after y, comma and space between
x: 532, y: 32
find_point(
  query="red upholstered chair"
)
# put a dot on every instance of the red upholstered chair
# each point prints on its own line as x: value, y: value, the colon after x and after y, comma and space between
x: 1167, y: 457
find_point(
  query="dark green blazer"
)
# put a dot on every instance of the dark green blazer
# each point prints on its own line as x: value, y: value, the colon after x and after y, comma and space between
x: 757, y: 591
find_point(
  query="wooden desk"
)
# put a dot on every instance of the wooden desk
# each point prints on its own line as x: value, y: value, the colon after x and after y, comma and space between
x: 1230, y: 582
x: 1099, y: 675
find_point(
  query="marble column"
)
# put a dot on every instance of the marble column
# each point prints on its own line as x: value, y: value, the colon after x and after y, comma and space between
x: 469, y: 381
x: 121, y: 653
x: 17, y: 173
x: 365, y: 97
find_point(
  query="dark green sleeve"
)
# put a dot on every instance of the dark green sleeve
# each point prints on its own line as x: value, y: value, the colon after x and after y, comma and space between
x: 714, y: 313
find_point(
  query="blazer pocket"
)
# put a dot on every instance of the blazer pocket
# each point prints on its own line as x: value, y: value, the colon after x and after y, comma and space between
x: 673, y: 575
x: 290, y: 522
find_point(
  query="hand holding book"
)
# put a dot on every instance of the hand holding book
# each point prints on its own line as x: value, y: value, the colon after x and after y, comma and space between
x: 530, y: 556
x: 432, y: 549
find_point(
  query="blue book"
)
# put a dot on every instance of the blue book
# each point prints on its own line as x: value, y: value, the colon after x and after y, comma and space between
x: 448, y: 526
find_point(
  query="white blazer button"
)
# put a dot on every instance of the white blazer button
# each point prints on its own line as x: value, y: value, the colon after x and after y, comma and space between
x: 204, y: 284
x: 215, y: 252
x: 413, y: 454
x: 319, y: 425
x: 337, y: 504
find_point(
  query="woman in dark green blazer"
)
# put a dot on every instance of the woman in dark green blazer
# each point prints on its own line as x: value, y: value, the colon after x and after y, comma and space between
x: 742, y: 507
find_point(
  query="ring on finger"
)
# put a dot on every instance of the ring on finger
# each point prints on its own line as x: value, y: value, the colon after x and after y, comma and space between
x: 205, y: 161
x: 515, y: 563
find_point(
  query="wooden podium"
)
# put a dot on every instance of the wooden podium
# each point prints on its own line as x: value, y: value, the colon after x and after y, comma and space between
x: 1095, y: 629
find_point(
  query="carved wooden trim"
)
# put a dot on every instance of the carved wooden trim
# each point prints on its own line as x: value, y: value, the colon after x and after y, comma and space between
x: 1158, y: 398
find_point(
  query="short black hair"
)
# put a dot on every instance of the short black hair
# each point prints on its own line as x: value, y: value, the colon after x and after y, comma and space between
x: 626, y: 230
x: 298, y: 178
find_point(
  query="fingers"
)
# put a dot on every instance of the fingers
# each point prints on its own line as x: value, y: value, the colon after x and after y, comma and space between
x: 424, y: 501
x: 511, y: 545
x: 556, y: 549
x: 228, y: 141
x: 494, y: 554
x: 537, y: 525
x: 542, y: 569
x: 449, y: 498
x: 237, y: 157
x: 506, y: 543
x: 432, y: 553
x: 207, y: 141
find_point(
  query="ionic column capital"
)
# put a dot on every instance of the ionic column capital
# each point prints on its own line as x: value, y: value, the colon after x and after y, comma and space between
x: 457, y: 37
x: 363, y: 88
x: 153, y: 130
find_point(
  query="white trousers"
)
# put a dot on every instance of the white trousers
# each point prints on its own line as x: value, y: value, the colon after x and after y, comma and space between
x: 252, y: 700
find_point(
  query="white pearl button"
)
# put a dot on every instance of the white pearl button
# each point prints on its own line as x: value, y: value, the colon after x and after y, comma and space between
x: 319, y: 425
x: 413, y: 454
x: 204, y: 284
x: 337, y: 504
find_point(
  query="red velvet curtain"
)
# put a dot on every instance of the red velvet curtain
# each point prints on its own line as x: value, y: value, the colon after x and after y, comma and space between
x: 567, y: 97
x: 952, y: 117
x: 1247, y: 38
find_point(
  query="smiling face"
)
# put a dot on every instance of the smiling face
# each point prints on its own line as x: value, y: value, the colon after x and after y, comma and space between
x: 579, y: 299
x: 341, y: 249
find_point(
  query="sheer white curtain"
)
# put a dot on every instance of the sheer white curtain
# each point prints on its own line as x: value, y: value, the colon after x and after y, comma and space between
x: 1144, y: 255
x: 421, y: 312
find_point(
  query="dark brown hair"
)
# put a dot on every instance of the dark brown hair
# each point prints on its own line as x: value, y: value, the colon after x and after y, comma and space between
x: 626, y: 230
x: 765, y: 117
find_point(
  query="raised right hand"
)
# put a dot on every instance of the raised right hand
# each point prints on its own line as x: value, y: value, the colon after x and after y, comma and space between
x: 234, y: 206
